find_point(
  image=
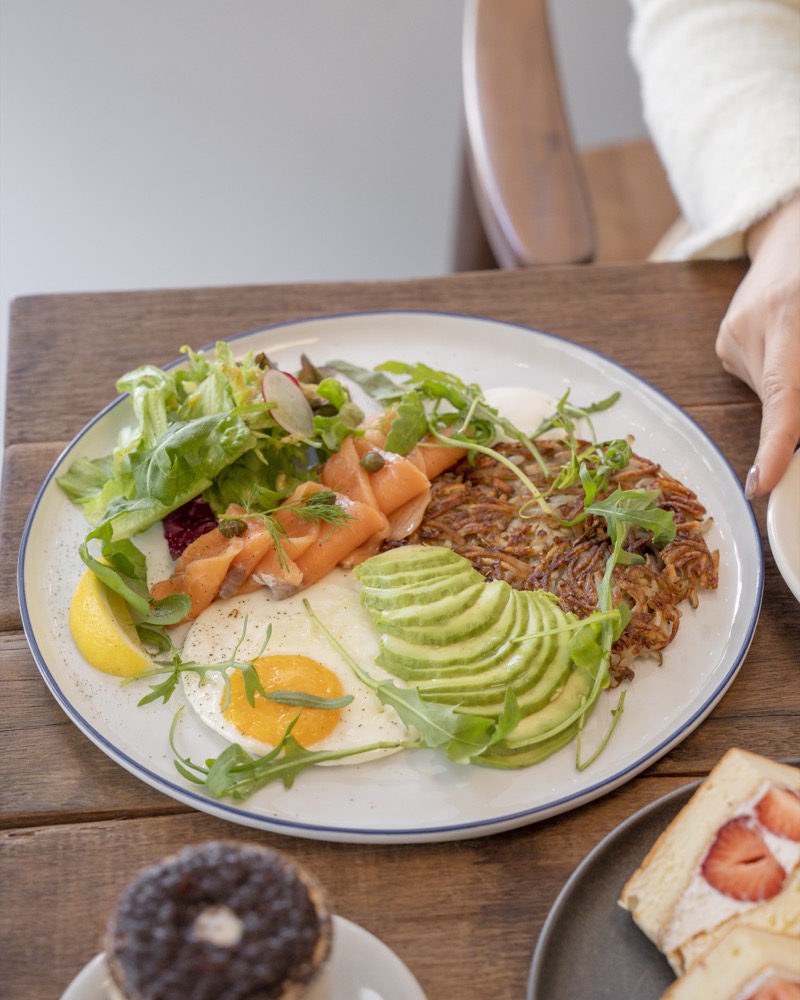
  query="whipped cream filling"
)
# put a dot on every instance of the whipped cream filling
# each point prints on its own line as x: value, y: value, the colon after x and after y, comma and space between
x: 702, y: 907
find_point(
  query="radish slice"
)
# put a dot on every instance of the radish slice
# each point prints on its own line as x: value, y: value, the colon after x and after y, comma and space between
x: 288, y: 405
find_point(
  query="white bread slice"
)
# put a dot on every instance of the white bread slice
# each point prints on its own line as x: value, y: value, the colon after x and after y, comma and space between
x: 655, y: 890
x: 744, y: 959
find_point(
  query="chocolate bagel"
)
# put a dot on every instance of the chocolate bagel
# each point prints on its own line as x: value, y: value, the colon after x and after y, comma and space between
x: 219, y: 921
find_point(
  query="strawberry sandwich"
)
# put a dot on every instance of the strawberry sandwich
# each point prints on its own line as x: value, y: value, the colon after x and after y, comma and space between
x: 730, y: 857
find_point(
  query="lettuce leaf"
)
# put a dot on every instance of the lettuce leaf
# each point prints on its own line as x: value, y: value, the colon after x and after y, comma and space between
x: 202, y: 427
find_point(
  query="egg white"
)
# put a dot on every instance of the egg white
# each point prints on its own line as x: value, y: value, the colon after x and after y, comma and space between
x: 213, y: 638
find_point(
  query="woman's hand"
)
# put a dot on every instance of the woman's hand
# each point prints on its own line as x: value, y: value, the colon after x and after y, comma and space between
x: 759, y: 340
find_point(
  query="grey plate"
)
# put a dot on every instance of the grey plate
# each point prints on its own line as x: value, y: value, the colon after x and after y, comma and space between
x: 589, y: 946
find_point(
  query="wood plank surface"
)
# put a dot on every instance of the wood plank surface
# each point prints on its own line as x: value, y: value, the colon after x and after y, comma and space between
x: 629, y: 312
x: 464, y: 915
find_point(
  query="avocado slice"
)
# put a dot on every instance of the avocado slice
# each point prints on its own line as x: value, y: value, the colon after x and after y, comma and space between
x: 424, y: 591
x: 479, y: 616
x: 403, y: 560
x: 534, y: 754
x: 570, y: 698
x: 463, y: 641
x: 403, y: 657
x: 520, y: 666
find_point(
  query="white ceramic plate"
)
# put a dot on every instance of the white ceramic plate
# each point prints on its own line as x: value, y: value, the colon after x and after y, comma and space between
x: 783, y: 525
x: 420, y: 796
x: 362, y: 968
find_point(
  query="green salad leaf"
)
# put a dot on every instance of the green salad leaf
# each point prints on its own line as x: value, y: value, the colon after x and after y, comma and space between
x: 203, y: 428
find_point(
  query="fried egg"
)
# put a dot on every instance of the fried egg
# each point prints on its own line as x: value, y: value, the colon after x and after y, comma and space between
x: 297, y: 657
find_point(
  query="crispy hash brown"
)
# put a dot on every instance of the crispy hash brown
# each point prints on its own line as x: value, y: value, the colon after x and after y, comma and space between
x: 475, y: 509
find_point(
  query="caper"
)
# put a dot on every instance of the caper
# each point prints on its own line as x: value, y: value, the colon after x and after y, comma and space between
x: 232, y: 527
x: 373, y: 461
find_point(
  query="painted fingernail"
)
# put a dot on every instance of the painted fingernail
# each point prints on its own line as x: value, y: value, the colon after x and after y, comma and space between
x: 751, y: 483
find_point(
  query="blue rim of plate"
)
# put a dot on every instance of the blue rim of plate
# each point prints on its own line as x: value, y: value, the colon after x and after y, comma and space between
x: 473, y: 828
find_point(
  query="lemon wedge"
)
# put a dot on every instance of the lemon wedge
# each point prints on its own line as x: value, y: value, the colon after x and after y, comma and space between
x: 103, y: 630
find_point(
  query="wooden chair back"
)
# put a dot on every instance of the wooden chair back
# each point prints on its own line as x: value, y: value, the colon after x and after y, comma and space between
x: 528, y: 197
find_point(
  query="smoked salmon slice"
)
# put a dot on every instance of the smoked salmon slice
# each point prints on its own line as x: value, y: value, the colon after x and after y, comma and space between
x: 344, y: 473
x: 386, y: 504
x: 397, y: 482
x: 200, y: 570
x: 334, y: 542
x: 438, y: 457
x: 256, y: 541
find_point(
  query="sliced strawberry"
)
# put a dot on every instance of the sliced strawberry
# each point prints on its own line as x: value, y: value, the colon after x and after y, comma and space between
x: 777, y: 988
x: 740, y: 865
x: 778, y: 810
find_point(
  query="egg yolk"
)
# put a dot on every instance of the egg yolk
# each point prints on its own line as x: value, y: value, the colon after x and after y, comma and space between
x: 267, y: 720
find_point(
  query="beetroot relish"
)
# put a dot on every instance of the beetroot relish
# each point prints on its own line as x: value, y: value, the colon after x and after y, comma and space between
x: 186, y: 523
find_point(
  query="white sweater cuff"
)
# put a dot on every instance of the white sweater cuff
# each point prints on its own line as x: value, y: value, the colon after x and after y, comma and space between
x: 721, y: 95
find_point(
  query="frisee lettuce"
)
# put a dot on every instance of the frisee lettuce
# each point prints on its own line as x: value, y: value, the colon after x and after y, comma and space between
x: 201, y: 428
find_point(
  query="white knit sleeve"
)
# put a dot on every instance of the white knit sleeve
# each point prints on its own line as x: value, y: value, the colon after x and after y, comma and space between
x: 721, y: 94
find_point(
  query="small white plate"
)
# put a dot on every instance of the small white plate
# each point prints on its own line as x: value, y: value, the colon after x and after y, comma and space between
x: 783, y: 525
x: 362, y: 968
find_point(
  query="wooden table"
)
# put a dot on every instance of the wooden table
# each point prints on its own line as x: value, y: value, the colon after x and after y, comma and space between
x: 464, y: 916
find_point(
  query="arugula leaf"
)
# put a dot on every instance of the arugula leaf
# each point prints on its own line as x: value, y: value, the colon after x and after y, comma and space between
x: 463, y: 736
x: 173, y: 667
x: 237, y: 775
x: 409, y: 426
x: 616, y: 715
x: 373, y: 382
x: 625, y: 508
x: 622, y: 510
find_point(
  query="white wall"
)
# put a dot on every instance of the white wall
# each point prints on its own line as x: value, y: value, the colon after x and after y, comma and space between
x: 170, y: 143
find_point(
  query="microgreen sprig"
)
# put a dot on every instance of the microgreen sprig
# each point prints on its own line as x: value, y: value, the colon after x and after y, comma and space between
x: 462, y: 736
x: 237, y: 775
x: 172, y: 669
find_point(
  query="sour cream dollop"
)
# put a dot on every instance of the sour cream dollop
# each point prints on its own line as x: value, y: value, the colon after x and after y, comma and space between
x: 525, y: 407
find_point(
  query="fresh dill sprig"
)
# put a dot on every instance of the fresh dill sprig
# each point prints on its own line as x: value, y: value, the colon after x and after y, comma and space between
x: 320, y: 507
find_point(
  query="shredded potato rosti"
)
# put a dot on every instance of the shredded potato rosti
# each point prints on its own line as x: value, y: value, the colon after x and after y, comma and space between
x: 475, y: 510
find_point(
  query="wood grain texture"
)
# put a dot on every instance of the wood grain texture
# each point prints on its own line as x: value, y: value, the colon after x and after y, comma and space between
x: 24, y: 472
x: 464, y: 916
x: 631, y: 198
x: 636, y: 314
